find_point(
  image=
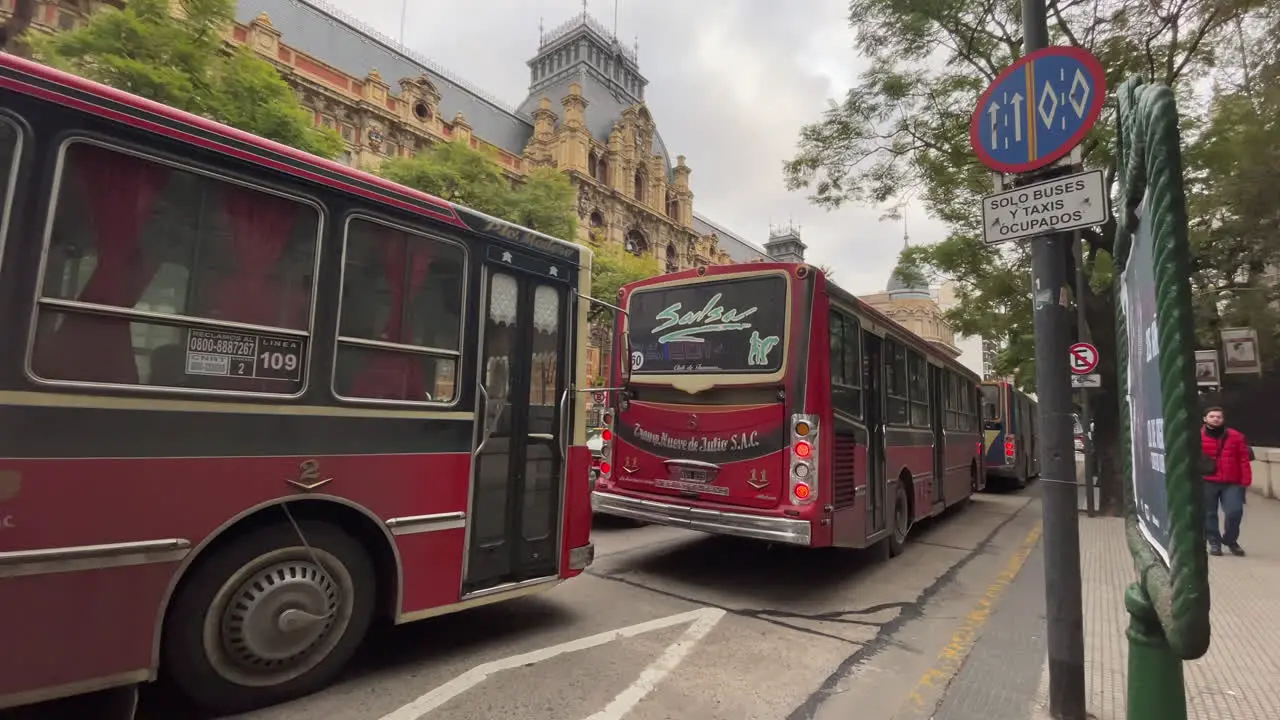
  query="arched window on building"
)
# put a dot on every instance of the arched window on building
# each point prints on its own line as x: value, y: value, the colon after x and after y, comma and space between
x: 641, y: 185
x: 673, y: 209
x: 636, y: 243
x: 599, y: 168
x: 596, y: 219
x: 673, y: 264
x: 593, y: 163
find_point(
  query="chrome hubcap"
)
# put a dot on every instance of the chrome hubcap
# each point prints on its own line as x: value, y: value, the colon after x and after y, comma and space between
x: 278, y: 617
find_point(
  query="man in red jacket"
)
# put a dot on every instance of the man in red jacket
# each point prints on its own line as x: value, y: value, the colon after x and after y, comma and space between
x: 1227, y: 452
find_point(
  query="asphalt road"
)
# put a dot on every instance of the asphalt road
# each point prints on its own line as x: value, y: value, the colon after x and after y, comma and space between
x: 674, y: 624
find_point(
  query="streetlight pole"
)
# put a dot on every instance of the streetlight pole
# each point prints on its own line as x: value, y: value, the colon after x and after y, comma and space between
x: 1064, y: 614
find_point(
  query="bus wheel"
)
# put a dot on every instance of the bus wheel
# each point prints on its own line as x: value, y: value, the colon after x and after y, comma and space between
x: 268, y: 619
x: 901, y: 521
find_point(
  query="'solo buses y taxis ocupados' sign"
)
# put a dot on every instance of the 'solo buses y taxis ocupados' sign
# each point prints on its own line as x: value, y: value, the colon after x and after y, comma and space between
x: 1061, y: 205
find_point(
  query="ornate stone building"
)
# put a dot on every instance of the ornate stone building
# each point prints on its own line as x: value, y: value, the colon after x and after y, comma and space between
x: 913, y: 305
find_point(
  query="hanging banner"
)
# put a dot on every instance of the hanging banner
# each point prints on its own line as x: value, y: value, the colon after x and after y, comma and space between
x: 1207, y: 374
x: 1240, y: 352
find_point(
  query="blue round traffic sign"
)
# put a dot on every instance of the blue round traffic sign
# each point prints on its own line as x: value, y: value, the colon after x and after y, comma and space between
x: 1038, y: 109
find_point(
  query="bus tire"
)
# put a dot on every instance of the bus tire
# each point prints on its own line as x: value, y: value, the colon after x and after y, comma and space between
x: 224, y: 645
x: 901, y: 521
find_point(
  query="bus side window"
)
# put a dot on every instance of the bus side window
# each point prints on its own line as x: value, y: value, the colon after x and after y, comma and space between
x: 144, y: 255
x: 400, y: 332
x: 895, y: 376
x: 846, y: 367
x: 10, y: 152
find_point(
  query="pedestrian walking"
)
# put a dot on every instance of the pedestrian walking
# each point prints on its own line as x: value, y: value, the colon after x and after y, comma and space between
x: 1227, y: 473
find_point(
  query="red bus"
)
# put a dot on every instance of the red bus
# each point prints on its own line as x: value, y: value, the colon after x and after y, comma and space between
x: 765, y: 402
x: 251, y: 399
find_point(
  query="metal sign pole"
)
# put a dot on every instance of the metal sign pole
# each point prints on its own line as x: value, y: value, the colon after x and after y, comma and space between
x: 1086, y: 417
x: 1064, y: 613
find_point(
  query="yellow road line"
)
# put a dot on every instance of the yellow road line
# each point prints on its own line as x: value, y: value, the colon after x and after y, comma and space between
x: 957, y: 649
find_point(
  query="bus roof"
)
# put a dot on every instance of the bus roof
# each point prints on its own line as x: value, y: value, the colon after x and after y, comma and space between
x: 40, y: 81
x: 710, y: 271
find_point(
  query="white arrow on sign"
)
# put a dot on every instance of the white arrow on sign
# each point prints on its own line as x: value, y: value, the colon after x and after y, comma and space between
x: 993, y: 111
x: 1017, y: 116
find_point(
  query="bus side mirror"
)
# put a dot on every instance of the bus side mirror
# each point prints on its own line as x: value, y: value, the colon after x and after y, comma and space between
x: 624, y: 364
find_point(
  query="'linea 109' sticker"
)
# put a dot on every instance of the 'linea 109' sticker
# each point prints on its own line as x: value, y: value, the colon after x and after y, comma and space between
x: 227, y: 354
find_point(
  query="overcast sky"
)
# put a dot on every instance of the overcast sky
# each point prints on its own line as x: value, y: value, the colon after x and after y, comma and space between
x: 730, y: 84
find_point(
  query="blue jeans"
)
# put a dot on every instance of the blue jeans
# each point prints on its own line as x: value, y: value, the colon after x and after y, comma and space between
x: 1231, y: 497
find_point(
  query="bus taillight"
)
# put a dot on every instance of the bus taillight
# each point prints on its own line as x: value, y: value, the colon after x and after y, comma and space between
x: 804, y: 457
x: 1010, y: 449
x: 606, y: 444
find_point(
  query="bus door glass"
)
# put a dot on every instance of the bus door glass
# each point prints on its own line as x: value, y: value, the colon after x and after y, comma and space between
x: 992, y: 424
x: 936, y: 399
x: 523, y: 401
x: 874, y: 394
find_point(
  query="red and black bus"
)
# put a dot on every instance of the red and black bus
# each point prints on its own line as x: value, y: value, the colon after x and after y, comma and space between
x: 251, y: 399
x: 763, y: 401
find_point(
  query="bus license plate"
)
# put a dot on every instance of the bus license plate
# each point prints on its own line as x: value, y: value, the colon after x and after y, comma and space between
x: 693, y: 476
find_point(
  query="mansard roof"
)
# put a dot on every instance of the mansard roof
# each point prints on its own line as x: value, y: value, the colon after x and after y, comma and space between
x: 325, y: 32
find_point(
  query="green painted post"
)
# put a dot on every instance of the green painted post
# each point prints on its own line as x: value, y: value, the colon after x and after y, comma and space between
x: 1169, y: 604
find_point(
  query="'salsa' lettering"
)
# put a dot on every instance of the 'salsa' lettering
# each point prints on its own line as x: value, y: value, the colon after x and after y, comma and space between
x: 712, y: 318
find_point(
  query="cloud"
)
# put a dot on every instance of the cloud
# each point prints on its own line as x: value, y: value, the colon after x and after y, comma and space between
x: 730, y: 84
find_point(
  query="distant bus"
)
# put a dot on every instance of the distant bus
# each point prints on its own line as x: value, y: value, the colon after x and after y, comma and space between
x: 1009, y: 434
x: 764, y: 402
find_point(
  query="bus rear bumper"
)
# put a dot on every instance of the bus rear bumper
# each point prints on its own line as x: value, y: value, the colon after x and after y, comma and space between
x: 755, y: 527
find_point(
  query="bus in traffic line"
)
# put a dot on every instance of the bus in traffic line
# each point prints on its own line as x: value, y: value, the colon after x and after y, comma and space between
x: 251, y: 400
x: 763, y: 401
x: 1009, y: 419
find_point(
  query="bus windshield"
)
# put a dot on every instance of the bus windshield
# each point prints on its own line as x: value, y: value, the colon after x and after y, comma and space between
x: 726, y: 326
x: 991, y: 415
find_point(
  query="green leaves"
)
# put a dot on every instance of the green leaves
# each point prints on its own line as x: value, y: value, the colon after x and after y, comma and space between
x: 180, y: 59
x: 613, y: 267
x: 901, y: 136
x: 542, y: 201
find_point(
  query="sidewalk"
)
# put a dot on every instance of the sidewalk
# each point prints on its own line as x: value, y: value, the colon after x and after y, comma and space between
x: 1238, y: 679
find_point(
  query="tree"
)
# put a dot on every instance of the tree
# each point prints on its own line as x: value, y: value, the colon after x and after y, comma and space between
x: 613, y: 267
x: 456, y: 172
x: 181, y: 59
x: 900, y: 135
x: 1235, y: 224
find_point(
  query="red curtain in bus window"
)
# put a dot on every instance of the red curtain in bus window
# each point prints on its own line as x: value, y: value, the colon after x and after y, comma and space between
x: 261, y: 225
x: 120, y: 191
x: 394, y: 375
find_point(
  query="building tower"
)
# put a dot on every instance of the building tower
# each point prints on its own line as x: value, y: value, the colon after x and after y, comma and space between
x: 785, y: 244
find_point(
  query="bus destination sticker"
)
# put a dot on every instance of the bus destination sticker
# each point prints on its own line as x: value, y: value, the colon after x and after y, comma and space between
x: 228, y: 354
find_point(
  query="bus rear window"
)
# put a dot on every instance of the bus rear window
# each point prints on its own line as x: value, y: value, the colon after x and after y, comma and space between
x: 991, y: 405
x: 727, y: 326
